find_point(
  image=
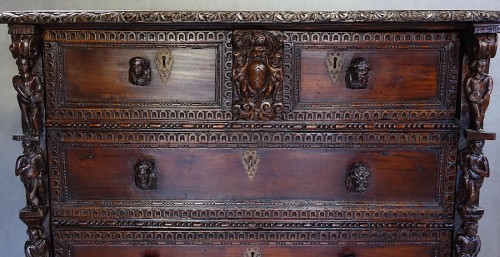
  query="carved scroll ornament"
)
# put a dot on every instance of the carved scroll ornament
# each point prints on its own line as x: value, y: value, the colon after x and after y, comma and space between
x: 139, y: 72
x: 257, y: 75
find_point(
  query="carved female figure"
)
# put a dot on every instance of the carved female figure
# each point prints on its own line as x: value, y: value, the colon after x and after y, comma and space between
x: 478, y: 89
x: 475, y: 168
x: 29, y: 95
x: 31, y: 168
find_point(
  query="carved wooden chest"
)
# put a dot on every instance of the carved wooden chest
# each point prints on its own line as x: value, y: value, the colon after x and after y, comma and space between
x: 253, y: 134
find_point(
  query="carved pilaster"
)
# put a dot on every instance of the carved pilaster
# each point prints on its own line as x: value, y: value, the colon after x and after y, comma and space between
x: 31, y: 166
x: 473, y: 164
x: 257, y: 75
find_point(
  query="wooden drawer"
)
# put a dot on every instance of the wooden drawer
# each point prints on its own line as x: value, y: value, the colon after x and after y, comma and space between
x: 399, y: 73
x: 403, y: 243
x: 98, y: 68
x: 425, y: 250
x: 219, y: 174
x: 414, y: 180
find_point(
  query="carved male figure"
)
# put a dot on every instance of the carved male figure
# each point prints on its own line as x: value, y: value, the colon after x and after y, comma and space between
x: 356, y: 76
x: 468, y: 244
x: 145, y: 177
x: 29, y: 95
x: 475, y: 169
x: 139, y: 71
x: 31, y: 168
x: 478, y: 89
x: 37, y: 245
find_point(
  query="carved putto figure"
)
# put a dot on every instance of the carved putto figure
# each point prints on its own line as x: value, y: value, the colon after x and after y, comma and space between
x: 31, y: 168
x: 475, y: 168
x: 356, y: 76
x: 468, y: 244
x: 257, y: 75
x: 29, y: 95
x: 478, y: 89
x: 145, y: 177
x: 139, y: 72
x: 37, y: 245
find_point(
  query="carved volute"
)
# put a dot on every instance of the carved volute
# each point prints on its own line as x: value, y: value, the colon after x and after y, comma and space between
x: 257, y: 75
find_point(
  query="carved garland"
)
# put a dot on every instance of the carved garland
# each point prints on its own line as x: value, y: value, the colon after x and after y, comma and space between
x: 31, y: 166
x: 242, y: 17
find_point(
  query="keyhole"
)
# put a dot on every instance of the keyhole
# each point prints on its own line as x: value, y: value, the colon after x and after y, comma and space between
x: 335, y: 62
x: 164, y: 61
x: 252, y: 253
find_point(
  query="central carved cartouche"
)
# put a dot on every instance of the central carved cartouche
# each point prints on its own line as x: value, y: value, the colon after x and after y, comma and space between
x: 257, y: 75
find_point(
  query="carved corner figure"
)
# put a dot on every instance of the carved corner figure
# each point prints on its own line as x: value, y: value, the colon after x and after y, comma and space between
x: 139, y: 72
x: 478, y: 89
x: 356, y: 76
x: 145, y: 176
x: 31, y: 168
x: 468, y: 244
x: 37, y: 245
x: 356, y: 179
x: 257, y: 75
x: 475, y: 168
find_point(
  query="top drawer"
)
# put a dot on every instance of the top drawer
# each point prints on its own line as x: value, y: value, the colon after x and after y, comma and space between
x: 187, y: 75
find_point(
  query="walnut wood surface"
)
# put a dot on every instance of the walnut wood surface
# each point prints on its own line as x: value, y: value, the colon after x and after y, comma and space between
x: 382, y: 159
x: 218, y: 174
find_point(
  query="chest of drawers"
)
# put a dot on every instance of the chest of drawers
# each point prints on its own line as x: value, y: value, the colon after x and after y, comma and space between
x: 255, y: 134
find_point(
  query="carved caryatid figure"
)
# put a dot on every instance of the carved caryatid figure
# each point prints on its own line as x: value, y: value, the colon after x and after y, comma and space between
x: 469, y: 243
x: 29, y: 95
x: 139, y: 72
x: 257, y: 75
x: 356, y: 76
x: 31, y: 168
x: 37, y: 245
x: 478, y: 89
x: 475, y: 168
x: 145, y: 177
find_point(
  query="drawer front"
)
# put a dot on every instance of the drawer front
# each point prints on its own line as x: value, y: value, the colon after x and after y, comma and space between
x: 101, y: 69
x: 413, y: 179
x: 354, y: 76
x: 219, y: 174
x: 390, y: 243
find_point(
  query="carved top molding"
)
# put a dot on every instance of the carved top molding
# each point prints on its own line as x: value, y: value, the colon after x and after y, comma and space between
x: 43, y: 17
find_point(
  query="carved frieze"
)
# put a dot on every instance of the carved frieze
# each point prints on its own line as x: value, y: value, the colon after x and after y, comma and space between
x: 257, y: 75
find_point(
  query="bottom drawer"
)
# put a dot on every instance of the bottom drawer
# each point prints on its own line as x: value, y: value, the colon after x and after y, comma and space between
x: 246, y: 243
x: 424, y: 250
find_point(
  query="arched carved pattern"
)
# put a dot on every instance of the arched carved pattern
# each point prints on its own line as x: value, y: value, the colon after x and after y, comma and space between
x: 31, y: 166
